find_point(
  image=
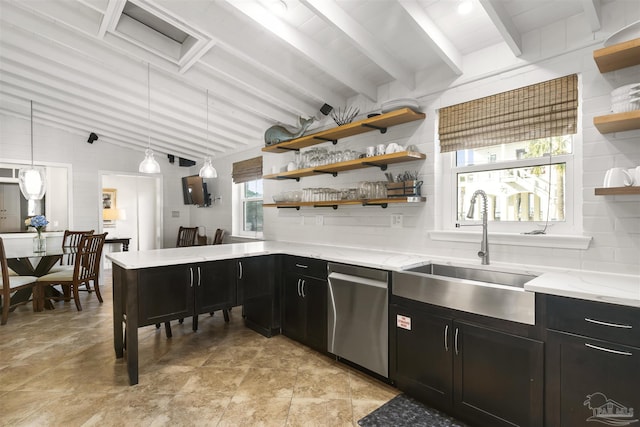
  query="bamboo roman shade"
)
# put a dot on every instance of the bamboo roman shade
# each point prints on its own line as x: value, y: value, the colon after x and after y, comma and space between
x: 247, y: 170
x: 538, y: 111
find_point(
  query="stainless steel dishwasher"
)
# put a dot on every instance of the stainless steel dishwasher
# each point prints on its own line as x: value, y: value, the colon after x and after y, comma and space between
x: 358, y: 316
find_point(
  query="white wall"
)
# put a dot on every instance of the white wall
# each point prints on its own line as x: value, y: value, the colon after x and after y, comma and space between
x: 613, y: 222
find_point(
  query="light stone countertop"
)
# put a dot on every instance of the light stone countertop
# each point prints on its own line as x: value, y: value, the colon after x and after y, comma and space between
x: 582, y: 284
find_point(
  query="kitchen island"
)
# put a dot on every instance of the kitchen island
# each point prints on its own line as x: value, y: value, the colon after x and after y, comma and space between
x: 140, y: 298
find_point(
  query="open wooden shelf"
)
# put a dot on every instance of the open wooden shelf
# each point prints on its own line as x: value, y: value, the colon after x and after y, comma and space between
x: 621, y: 55
x: 335, y: 203
x: 366, y: 162
x: 618, y: 122
x: 617, y: 191
x: 381, y: 122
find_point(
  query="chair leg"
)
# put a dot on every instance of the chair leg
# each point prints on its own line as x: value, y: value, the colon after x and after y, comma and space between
x: 96, y: 286
x: 6, y: 302
x: 225, y: 313
x: 76, y: 297
x: 167, y: 329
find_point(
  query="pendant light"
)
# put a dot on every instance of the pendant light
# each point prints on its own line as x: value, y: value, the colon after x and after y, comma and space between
x: 149, y: 164
x: 32, y: 180
x: 207, y: 170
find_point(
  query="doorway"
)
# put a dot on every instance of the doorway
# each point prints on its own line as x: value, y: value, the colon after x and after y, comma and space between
x: 131, y: 207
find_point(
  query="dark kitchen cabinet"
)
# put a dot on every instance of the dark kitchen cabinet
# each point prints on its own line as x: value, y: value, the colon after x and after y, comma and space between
x: 216, y: 288
x: 304, y: 316
x: 168, y: 293
x: 480, y: 374
x: 258, y: 291
x: 593, y: 363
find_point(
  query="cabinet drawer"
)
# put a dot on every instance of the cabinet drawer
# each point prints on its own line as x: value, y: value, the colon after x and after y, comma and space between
x: 615, y: 323
x: 306, y: 266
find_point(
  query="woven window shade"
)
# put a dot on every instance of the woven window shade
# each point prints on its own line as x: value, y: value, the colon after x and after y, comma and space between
x: 247, y: 170
x: 538, y: 111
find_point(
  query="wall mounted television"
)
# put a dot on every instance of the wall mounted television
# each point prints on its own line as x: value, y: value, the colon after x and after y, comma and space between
x: 195, y: 191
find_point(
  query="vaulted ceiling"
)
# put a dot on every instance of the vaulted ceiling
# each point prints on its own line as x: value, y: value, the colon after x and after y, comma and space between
x: 100, y: 66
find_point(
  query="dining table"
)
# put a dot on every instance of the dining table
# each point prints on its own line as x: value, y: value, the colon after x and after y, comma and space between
x: 26, y: 262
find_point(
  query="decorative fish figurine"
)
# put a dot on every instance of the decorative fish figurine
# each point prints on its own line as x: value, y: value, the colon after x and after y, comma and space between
x: 277, y: 134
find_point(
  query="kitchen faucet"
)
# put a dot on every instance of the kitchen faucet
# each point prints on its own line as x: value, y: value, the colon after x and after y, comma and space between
x: 484, y: 244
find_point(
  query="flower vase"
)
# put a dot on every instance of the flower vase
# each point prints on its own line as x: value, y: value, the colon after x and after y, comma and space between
x: 39, y: 243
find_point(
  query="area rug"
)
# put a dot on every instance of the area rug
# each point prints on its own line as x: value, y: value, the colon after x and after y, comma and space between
x: 403, y: 411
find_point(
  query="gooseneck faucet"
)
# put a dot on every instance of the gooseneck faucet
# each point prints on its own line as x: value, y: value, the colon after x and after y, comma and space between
x: 484, y: 244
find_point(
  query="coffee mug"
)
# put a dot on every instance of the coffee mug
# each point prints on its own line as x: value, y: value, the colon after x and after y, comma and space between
x: 371, y: 151
x: 380, y: 148
x: 635, y: 174
x: 617, y: 177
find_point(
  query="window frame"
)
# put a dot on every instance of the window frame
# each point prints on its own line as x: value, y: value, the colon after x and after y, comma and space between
x: 238, y: 210
x: 572, y: 223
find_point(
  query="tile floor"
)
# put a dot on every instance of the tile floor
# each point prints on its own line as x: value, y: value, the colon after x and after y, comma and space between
x: 58, y: 368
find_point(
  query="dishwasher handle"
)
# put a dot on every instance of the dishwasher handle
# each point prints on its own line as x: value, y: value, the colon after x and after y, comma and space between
x: 341, y: 277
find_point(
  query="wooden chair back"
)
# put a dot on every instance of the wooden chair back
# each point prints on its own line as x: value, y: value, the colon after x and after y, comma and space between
x: 71, y: 240
x: 186, y: 236
x: 87, y: 265
x: 218, y: 237
x: 20, y: 282
x: 5, y: 271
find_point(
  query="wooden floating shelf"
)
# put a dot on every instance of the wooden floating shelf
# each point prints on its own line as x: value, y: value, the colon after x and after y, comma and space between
x: 618, y: 56
x: 365, y: 162
x: 335, y: 203
x: 617, y: 191
x: 381, y: 122
x: 618, y: 122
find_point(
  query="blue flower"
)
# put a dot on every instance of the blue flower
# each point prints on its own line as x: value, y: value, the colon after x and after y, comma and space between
x: 38, y: 222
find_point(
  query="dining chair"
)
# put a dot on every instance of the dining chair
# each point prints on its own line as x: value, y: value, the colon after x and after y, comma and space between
x: 186, y: 236
x: 86, y: 269
x: 12, y: 283
x: 70, y: 242
x: 218, y: 237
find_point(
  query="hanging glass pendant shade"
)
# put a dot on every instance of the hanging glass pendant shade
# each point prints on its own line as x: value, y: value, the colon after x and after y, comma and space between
x: 32, y: 180
x: 207, y: 170
x: 149, y: 164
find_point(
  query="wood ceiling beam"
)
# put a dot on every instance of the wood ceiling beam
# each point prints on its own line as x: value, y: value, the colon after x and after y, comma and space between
x: 503, y: 22
x: 307, y: 47
x: 437, y: 40
x: 362, y: 39
x: 592, y: 10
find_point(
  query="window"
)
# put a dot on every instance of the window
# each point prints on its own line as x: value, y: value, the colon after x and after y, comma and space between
x: 524, y: 181
x: 247, y: 198
x: 518, y: 147
x: 252, y: 206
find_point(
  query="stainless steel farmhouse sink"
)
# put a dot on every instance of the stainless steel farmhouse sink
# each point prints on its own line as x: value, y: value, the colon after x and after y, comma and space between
x: 487, y: 292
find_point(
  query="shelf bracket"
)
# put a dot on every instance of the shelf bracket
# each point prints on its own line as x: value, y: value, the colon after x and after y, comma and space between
x: 381, y: 129
x: 289, y: 207
x: 327, y: 172
x: 297, y: 178
x: 321, y: 138
x: 326, y: 206
x: 288, y: 148
x: 382, y: 205
x: 382, y: 167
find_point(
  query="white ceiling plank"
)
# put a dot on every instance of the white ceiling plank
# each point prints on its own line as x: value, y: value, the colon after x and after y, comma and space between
x: 334, y: 15
x: 592, y: 10
x: 439, y: 42
x: 503, y: 22
x: 74, y: 15
x: 307, y: 47
x: 110, y: 18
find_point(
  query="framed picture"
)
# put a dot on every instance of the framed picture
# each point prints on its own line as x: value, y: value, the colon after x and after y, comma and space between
x: 109, y: 198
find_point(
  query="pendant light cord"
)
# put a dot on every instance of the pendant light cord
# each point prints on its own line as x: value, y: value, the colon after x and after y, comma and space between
x: 31, y: 104
x: 149, y: 105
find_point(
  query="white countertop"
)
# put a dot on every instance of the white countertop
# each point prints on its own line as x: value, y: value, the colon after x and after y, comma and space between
x: 589, y: 285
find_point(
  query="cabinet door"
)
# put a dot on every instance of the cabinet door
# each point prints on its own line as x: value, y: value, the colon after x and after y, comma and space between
x: 217, y: 286
x: 497, y: 377
x: 421, y: 355
x: 294, y: 323
x: 165, y: 293
x: 257, y: 277
x: 591, y: 381
x: 314, y: 293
